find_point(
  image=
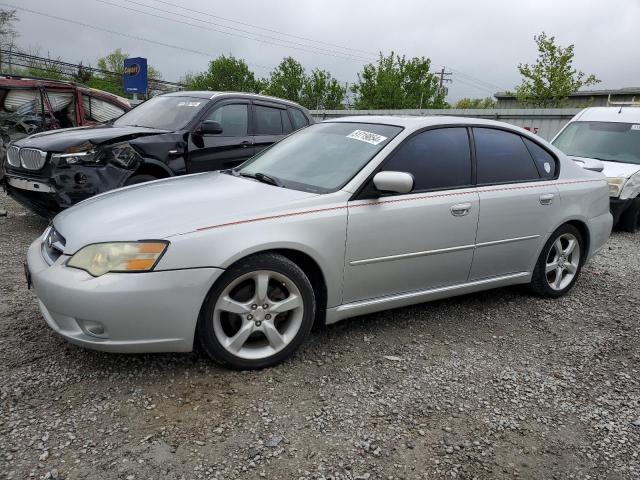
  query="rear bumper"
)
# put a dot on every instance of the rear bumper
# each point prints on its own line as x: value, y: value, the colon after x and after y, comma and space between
x: 600, y: 231
x: 618, y: 207
x: 125, y: 313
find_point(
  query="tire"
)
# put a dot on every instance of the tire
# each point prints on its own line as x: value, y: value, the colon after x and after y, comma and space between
x: 142, y: 178
x: 630, y: 220
x: 559, y: 266
x: 237, y: 331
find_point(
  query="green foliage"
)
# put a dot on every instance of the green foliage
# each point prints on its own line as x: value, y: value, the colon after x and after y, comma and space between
x: 487, y: 102
x: 225, y: 74
x: 287, y: 80
x: 549, y: 81
x: 396, y: 82
x: 321, y: 91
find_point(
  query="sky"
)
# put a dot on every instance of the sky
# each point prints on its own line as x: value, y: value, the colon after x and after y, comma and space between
x: 480, y: 42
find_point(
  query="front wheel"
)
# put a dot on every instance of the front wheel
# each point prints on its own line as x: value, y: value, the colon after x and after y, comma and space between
x: 559, y: 263
x: 630, y: 220
x: 258, y: 313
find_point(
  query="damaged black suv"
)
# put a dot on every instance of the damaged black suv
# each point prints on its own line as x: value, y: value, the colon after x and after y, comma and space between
x: 171, y: 134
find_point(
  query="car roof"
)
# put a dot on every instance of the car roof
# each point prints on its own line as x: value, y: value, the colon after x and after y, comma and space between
x: 208, y: 94
x: 414, y: 122
x: 610, y: 114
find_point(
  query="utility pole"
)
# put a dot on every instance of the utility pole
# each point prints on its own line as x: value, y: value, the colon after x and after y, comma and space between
x: 443, y: 74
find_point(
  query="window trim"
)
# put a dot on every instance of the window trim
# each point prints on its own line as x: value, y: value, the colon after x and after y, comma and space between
x: 511, y: 182
x: 363, y: 192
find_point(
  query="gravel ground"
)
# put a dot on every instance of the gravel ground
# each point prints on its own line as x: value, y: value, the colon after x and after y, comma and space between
x: 492, y: 385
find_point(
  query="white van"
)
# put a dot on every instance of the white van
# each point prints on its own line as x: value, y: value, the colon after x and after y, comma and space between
x: 609, y: 137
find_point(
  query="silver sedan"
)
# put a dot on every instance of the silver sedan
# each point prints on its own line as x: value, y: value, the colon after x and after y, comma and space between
x: 343, y: 218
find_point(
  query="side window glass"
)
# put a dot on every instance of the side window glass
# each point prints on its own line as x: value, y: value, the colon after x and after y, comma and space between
x: 544, y: 160
x: 232, y: 118
x: 437, y: 159
x: 502, y: 157
x: 299, y: 120
x: 268, y: 120
x: 97, y: 110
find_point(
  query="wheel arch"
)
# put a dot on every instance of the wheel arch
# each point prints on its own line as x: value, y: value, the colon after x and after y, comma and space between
x: 150, y: 166
x: 309, y: 266
x: 581, y: 225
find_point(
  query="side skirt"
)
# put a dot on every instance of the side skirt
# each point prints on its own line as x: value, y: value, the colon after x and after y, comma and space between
x: 363, y: 307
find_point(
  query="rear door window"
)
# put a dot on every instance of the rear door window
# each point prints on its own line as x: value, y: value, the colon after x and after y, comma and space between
x: 268, y: 120
x: 438, y: 159
x: 502, y: 157
x: 545, y: 162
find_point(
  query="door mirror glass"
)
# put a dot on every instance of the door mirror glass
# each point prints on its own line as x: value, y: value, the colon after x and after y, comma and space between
x: 209, y: 127
x: 393, y: 182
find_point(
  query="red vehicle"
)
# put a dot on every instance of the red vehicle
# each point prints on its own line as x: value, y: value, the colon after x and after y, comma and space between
x: 31, y: 105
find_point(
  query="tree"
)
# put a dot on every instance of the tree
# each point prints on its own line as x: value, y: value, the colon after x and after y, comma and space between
x: 396, y: 82
x: 549, y: 81
x: 321, y: 90
x: 287, y: 80
x: 225, y: 74
x: 487, y: 102
x: 8, y: 32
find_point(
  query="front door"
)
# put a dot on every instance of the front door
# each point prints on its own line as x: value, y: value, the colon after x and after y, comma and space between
x: 422, y: 240
x: 519, y: 202
x: 224, y: 150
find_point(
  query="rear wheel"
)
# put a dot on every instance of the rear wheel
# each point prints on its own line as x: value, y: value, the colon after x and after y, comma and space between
x: 258, y: 313
x: 141, y: 178
x: 630, y: 220
x: 559, y: 263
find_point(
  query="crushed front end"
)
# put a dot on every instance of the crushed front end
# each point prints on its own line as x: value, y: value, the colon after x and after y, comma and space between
x: 48, y: 182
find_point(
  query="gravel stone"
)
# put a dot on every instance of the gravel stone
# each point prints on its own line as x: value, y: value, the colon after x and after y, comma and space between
x: 494, y: 385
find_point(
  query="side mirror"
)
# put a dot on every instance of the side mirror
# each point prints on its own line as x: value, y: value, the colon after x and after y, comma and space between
x: 393, y: 182
x: 589, y: 164
x: 209, y: 127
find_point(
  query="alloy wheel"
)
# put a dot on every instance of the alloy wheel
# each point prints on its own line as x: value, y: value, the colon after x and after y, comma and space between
x: 258, y: 314
x: 563, y: 261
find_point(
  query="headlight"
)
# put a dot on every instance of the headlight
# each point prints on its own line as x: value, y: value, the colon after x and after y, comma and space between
x: 100, y: 258
x: 615, y: 185
x: 88, y: 156
x: 122, y: 154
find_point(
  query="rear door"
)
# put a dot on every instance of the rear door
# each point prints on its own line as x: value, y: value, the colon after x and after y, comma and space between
x: 422, y: 240
x: 519, y: 202
x: 224, y: 150
x: 271, y: 123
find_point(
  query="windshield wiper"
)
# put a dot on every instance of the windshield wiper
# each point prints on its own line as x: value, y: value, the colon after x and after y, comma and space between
x: 263, y: 177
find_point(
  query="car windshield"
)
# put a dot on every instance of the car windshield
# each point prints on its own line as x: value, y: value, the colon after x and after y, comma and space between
x: 321, y: 158
x: 609, y: 141
x: 164, y: 113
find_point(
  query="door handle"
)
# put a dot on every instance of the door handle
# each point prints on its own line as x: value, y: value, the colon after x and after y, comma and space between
x: 461, y: 209
x: 546, y: 199
x: 245, y: 144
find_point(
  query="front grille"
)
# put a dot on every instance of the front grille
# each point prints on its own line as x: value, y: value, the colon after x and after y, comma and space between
x: 53, y: 246
x: 13, y: 156
x: 32, y: 159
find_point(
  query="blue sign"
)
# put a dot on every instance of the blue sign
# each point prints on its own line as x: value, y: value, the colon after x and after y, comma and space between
x: 135, y: 75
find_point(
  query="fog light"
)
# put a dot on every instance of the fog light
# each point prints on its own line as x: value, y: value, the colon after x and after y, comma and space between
x: 94, y: 329
x: 80, y: 178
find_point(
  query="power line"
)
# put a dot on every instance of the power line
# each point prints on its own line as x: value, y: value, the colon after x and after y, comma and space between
x: 262, y: 28
x: 300, y: 47
x: 114, y: 32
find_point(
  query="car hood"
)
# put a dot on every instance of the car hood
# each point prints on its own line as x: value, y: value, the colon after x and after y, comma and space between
x: 618, y: 169
x: 60, y: 140
x: 168, y: 207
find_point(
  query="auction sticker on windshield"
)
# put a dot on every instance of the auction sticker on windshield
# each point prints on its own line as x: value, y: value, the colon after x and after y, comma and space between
x: 189, y: 104
x: 635, y: 127
x: 363, y: 136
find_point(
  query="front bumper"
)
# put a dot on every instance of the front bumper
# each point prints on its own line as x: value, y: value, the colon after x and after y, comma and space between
x: 618, y: 207
x: 138, y: 312
x: 60, y: 188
